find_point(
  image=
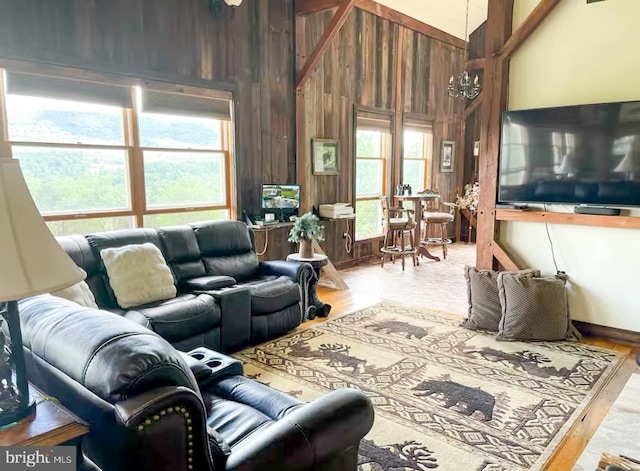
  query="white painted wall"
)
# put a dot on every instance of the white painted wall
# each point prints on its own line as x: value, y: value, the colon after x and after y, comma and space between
x: 447, y: 15
x: 582, y: 53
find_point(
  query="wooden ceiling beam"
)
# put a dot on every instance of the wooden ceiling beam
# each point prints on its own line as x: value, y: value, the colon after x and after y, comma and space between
x: 408, y: 22
x: 537, y: 16
x: 477, y: 101
x: 330, y: 32
x: 474, y: 64
x: 307, y: 7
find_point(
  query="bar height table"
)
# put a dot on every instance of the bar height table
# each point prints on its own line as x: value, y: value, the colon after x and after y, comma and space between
x: 417, y: 204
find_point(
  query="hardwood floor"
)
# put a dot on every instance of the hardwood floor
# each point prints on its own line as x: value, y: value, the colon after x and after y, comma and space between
x: 366, y: 294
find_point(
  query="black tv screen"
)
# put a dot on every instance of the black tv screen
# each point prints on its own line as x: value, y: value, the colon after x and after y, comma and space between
x: 586, y: 154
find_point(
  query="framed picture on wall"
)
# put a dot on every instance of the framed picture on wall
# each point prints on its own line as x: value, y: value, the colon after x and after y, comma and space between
x: 447, y: 156
x: 325, y: 156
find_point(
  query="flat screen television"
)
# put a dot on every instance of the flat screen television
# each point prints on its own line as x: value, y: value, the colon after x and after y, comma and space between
x: 279, y: 198
x: 584, y: 155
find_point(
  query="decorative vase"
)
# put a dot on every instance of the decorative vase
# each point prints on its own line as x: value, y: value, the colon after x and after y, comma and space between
x: 306, y: 248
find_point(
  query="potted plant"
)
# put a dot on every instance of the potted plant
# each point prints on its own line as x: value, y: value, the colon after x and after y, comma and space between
x: 305, y: 230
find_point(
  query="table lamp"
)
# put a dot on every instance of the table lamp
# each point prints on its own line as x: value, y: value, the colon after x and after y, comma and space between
x: 31, y: 262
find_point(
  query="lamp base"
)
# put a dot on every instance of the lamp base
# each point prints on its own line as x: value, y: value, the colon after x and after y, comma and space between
x: 12, y: 417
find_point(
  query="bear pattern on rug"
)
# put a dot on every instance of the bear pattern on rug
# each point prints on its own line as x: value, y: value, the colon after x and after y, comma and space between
x: 445, y: 397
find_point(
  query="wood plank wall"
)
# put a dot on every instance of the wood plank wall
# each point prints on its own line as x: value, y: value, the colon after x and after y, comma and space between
x: 473, y: 123
x: 359, y: 70
x: 178, y: 41
x: 252, y: 54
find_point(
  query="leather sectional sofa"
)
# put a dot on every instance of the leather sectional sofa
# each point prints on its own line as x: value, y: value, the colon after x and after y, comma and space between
x: 152, y: 407
x: 226, y: 299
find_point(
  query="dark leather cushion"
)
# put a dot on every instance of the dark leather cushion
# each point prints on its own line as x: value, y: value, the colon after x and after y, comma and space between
x: 104, y: 240
x: 274, y: 404
x: 239, y: 266
x: 217, y: 238
x: 78, y: 248
x: 273, y: 295
x: 227, y: 248
x: 232, y: 420
x: 112, y: 357
x: 183, y: 316
x: 181, y: 251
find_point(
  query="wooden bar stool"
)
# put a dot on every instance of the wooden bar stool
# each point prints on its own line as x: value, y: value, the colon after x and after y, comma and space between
x: 399, y: 225
x: 436, y: 225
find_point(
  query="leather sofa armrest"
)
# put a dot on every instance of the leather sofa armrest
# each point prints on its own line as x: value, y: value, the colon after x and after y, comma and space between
x: 173, y: 415
x: 235, y: 312
x: 204, y: 283
x: 297, y: 271
x: 314, y: 433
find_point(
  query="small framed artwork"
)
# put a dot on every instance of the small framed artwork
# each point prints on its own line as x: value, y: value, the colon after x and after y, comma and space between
x: 447, y: 156
x: 325, y: 155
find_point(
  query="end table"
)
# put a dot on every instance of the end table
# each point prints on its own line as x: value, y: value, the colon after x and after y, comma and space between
x: 51, y: 424
x: 316, y: 307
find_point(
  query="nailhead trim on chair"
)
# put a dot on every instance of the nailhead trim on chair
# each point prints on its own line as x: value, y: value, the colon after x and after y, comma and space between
x: 186, y: 415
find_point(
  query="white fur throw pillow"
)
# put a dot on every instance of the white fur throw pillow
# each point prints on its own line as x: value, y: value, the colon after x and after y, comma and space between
x: 78, y: 293
x: 138, y: 274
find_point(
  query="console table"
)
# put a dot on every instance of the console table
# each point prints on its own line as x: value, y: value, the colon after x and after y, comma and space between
x: 316, y: 307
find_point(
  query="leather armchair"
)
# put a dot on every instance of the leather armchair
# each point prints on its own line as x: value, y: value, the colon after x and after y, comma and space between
x: 151, y: 407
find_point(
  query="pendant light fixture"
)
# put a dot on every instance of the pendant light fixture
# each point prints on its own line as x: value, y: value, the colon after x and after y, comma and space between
x: 463, y: 87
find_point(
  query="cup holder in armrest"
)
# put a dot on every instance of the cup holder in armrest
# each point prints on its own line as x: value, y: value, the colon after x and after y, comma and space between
x: 219, y: 364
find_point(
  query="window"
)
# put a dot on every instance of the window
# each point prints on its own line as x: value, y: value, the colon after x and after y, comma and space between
x: 417, y: 157
x: 373, y: 147
x: 98, y: 156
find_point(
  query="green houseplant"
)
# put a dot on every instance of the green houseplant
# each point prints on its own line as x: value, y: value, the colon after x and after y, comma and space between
x: 305, y: 230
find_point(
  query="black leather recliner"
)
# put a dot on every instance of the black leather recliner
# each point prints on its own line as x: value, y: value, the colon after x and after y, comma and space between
x: 151, y: 407
x: 226, y: 298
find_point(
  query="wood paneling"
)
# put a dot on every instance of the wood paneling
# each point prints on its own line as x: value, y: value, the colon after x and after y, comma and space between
x: 359, y: 69
x: 249, y: 52
x: 272, y: 242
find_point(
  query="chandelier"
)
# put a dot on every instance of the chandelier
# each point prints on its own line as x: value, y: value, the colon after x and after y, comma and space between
x: 463, y: 87
x: 216, y: 6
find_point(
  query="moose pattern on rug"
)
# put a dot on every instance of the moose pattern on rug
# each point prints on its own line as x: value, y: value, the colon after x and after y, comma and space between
x: 445, y: 397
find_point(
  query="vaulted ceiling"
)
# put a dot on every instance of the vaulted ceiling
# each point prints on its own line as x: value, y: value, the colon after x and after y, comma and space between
x: 447, y: 15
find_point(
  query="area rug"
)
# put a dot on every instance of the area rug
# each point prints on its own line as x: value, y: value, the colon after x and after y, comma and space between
x: 445, y: 398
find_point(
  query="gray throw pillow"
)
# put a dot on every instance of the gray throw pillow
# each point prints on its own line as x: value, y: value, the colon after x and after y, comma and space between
x: 534, y: 308
x: 485, y: 310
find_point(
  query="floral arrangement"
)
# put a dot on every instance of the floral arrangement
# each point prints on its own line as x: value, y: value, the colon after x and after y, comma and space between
x: 470, y: 198
x: 306, y: 227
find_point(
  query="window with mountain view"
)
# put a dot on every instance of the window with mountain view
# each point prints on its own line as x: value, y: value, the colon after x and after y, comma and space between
x: 79, y: 143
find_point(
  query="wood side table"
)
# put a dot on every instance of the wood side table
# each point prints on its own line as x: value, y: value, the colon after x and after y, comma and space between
x: 51, y: 424
x: 316, y: 307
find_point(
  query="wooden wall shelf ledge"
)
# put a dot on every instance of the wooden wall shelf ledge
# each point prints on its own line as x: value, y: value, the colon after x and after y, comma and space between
x: 624, y: 222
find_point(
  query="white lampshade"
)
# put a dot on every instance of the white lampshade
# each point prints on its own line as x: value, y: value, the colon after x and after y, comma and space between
x: 31, y: 260
x: 233, y: 3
